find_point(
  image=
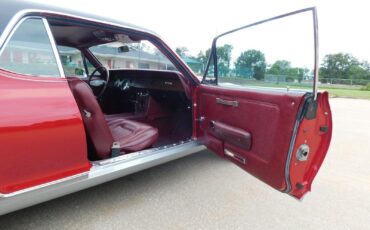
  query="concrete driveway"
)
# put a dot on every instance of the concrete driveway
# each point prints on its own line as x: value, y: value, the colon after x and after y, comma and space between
x: 205, y: 192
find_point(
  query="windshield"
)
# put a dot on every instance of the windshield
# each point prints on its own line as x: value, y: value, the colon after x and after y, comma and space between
x: 141, y: 55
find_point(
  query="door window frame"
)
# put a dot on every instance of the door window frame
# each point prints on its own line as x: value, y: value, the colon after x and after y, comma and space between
x: 213, y: 55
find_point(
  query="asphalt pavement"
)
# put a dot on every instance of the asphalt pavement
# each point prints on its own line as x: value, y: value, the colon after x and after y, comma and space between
x: 203, y: 191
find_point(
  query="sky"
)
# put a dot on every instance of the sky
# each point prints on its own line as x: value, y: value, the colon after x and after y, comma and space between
x: 194, y: 23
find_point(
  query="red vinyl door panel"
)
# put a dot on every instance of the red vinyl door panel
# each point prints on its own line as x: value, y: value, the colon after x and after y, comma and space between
x: 254, y: 130
x: 42, y: 136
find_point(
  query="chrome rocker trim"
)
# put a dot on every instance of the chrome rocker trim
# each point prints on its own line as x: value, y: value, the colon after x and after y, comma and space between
x: 100, y: 172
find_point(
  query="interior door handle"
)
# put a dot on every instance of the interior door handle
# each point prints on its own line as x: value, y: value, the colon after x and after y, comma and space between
x: 226, y: 102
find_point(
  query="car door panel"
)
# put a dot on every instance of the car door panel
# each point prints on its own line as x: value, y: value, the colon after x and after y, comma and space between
x: 263, y: 124
x: 265, y: 116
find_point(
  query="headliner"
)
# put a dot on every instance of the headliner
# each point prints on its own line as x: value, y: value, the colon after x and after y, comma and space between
x: 80, y: 35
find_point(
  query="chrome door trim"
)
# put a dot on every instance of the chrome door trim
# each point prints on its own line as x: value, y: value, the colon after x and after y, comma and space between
x: 9, y: 31
x: 100, y: 172
x: 41, y: 186
x: 316, y: 46
x: 54, y: 47
x: 13, y: 24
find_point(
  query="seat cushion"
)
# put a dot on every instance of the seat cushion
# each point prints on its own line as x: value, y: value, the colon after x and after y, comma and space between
x: 131, y: 116
x: 131, y: 135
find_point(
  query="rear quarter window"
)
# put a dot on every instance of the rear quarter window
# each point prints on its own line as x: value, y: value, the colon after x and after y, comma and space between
x: 29, y: 51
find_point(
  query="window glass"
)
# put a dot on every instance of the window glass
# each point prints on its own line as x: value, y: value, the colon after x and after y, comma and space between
x: 91, y: 68
x: 141, y: 55
x: 29, y: 51
x: 275, y: 54
x: 72, y: 61
x: 210, y: 76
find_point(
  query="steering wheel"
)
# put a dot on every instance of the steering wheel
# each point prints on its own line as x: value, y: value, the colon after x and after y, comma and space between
x: 105, y: 82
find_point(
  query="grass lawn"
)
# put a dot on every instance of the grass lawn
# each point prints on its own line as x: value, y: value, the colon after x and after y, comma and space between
x: 334, y: 90
x: 350, y: 93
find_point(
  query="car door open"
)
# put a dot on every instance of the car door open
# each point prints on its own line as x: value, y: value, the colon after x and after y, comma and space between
x: 248, y: 110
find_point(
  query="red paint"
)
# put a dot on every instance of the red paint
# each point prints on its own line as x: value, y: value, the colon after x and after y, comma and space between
x: 269, y: 117
x: 309, y: 133
x: 41, y: 132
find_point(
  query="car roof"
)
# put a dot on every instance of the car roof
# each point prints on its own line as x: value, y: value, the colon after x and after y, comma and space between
x: 9, y: 8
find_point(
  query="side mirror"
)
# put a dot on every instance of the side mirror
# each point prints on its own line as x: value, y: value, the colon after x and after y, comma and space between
x: 123, y: 49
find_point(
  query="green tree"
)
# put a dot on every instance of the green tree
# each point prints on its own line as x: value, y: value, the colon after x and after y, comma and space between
x: 182, y: 51
x: 338, y: 66
x: 359, y: 74
x: 251, y: 63
x: 223, y: 59
x: 280, y: 67
x: 366, y: 66
x: 297, y: 74
x: 202, y: 57
x: 284, y: 68
x: 363, y: 72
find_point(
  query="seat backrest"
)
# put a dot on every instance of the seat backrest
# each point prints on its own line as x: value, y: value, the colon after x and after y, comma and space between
x: 93, y: 117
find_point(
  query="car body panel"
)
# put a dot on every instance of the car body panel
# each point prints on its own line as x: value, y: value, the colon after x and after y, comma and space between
x: 42, y: 136
x: 99, y: 173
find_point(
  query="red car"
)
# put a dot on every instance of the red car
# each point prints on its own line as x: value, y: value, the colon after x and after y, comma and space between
x: 86, y: 99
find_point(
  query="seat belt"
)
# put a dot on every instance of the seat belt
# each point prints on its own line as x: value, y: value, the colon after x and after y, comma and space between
x: 115, y: 151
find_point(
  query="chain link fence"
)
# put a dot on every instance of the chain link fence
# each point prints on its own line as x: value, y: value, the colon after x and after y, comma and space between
x: 350, y: 82
x: 294, y: 82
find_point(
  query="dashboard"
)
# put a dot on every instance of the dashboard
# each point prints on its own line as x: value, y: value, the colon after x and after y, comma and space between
x: 146, y: 79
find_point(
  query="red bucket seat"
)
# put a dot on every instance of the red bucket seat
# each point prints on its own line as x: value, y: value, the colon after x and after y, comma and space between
x: 130, y: 135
